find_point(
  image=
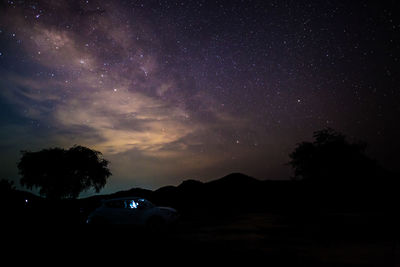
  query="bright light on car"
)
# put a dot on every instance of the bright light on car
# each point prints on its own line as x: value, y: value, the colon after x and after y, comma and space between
x: 132, y: 210
x: 133, y: 204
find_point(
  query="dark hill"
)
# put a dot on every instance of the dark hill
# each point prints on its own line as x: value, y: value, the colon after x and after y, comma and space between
x: 234, y: 180
x: 234, y: 185
x: 190, y: 185
x: 229, y: 193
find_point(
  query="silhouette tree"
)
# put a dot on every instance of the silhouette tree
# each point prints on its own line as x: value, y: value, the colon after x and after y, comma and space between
x: 61, y: 173
x: 332, y: 159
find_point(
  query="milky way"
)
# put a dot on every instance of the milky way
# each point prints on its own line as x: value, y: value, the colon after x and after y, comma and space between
x: 170, y: 90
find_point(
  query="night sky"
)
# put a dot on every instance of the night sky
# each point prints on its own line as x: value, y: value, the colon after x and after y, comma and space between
x: 172, y: 90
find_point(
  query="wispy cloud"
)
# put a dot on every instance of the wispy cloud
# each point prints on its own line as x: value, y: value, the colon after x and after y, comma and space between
x: 114, y: 106
x: 106, y: 85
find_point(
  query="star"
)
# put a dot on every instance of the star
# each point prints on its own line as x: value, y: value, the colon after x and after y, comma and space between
x: 221, y: 77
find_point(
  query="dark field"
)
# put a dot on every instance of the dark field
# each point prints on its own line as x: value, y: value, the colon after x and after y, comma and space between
x: 236, y: 219
x: 349, y: 239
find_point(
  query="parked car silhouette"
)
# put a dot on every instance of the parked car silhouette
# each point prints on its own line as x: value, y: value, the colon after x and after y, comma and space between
x: 133, y: 210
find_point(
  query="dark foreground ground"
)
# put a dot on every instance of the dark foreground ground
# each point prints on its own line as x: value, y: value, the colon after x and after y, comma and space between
x: 257, y: 238
x: 235, y: 219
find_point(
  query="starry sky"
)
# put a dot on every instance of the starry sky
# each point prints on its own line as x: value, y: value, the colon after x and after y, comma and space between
x: 172, y: 90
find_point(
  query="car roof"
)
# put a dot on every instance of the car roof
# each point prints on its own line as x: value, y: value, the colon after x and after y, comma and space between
x: 122, y: 198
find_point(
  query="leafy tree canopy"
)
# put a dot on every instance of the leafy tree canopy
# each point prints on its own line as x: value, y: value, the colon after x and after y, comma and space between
x: 61, y: 173
x: 331, y: 158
